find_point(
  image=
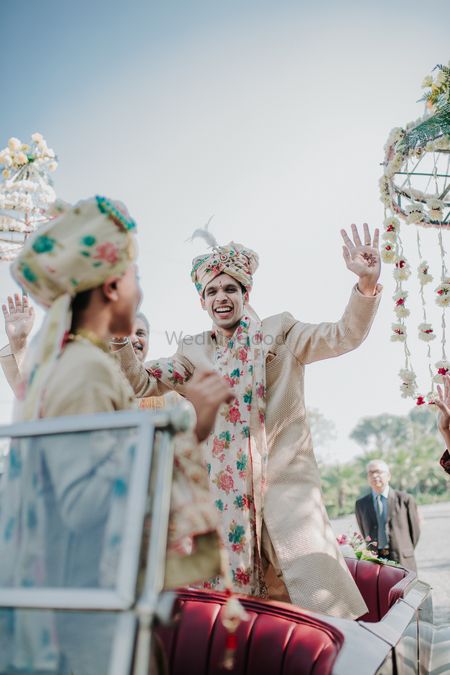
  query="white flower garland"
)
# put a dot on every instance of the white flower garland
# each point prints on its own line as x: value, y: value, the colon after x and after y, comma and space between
x: 443, y: 293
x: 419, y: 208
x: 25, y: 191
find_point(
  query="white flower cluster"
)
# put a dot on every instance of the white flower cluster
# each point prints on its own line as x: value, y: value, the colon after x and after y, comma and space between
x: 10, y: 250
x: 392, y: 228
x: 12, y: 225
x: 17, y: 154
x: 428, y: 398
x: 443, y: 293
x: 389, y: 249
x: 26, y: 184
x: 408, y: 385
x: 426, y: 332
x: 414, y: 213
x: 385, y: 195
x: 442, y: 367
x: 400, y: 308
x: 394, y: 164
x: 395, y: 135
x: 402, y: 270
x: 25, y: 191
x: 17, y: 196
x: 423, y: 273
x: 398, y: 332
x: 442, y: 143
x: 435, y: 208
x: 388, y: 252
x: 396, y: 157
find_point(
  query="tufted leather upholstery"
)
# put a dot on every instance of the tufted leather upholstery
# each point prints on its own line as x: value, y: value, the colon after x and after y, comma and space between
x: 380, y: 585
x: 277, y: 640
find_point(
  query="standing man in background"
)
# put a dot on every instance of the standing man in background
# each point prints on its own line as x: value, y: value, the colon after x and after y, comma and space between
x: 389, y: 517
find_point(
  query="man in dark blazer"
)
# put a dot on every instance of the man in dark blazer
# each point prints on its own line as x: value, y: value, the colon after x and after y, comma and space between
x: 389, y: 517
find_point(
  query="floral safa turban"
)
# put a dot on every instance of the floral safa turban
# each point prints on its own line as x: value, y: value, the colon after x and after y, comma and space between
x: 233, y: 259
x: 77, y: 251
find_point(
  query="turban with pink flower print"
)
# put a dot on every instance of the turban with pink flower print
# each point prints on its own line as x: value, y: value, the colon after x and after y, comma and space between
x: 233, y: 259
x: 76, y: 251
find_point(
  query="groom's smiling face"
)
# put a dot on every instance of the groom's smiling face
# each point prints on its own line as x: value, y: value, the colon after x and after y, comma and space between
x: 224, y: 300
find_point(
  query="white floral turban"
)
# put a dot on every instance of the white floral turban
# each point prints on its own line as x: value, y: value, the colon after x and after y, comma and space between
x: 76, y: 251
x: 233, y: 259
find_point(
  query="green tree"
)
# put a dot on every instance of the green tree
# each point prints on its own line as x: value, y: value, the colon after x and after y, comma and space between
x: 340, y: 487
x: 323, y: 430
x: 411, y: 446
x: 382, y: 432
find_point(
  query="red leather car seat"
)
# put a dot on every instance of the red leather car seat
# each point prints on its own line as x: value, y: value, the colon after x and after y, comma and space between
x: 277, y: 639
x: 380, y: 585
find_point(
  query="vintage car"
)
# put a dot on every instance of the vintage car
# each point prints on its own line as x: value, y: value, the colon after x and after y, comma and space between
x: 75, y: 598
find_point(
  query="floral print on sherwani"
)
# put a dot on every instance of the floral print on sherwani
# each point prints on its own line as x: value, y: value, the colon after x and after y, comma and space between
x: 237, y: 455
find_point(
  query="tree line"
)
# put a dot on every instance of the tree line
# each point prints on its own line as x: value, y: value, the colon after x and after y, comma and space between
x: 410, y: 444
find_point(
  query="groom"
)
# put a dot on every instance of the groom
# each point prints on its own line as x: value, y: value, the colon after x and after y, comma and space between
x: 263, y: 473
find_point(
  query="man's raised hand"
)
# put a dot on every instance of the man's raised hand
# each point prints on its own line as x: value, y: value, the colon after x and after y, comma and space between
x: 19, y: 319
x: 443, y: 403
x: 363, y: 259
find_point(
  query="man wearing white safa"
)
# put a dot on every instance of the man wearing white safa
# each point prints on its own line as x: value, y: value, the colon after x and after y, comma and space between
x: 263, y: 473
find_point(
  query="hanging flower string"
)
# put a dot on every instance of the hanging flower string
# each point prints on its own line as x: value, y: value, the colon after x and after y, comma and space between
x: 389, y: 249
x: 408, y: 382
x: 443, y: 368
x: 426, y: 332
x: 442, y: 300
x: 398, y: 332
x: 402, y: 272
x: 407, y: 155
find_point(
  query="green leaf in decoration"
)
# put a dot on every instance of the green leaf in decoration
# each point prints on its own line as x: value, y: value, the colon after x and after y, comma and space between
x: 434, y: 127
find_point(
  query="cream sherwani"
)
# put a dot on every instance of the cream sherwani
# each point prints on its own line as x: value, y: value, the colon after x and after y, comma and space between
x: 294, y: 516
x: 86, y: 380
x: 71, y: 537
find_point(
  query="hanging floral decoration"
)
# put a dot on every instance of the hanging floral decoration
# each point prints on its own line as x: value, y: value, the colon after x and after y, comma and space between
x: 26, y: 191
x: 443, y: 368
x: 398, y: 332
x: 415, y: 191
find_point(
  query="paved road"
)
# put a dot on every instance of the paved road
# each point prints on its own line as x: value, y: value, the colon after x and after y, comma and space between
x: 432, y: 553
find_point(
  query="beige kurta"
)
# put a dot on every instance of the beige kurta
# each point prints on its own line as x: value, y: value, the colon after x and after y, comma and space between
x: 87, y: 380
x: 313, y: 568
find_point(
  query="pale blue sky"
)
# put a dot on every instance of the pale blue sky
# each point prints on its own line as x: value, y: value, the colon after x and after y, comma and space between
x: 270, y: 115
